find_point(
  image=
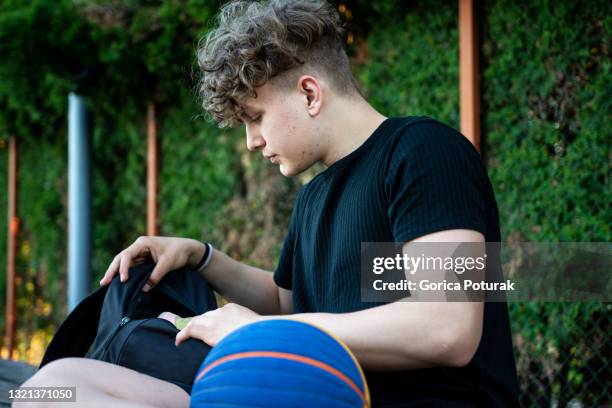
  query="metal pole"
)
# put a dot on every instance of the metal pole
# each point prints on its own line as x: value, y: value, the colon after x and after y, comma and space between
x: 13, y: 229
x: 151, y: 171
x: 469, y: 72
x: 79, y: 202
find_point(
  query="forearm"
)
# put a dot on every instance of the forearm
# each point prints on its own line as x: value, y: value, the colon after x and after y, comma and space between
x: 246, y: 285
x: 403, y: 335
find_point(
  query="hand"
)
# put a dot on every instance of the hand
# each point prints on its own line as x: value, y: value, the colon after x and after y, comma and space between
x: 168, y: 253
x: 211, y: 327
x: 169, y: 316
x: 178, y: 321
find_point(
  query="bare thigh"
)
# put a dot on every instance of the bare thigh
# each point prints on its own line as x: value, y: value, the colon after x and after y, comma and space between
x: 98, y: 383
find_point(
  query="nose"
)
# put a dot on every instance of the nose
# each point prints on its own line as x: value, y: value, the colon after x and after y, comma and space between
x: 254, y: 138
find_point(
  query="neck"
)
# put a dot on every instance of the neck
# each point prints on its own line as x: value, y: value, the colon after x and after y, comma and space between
x: 352, y: 122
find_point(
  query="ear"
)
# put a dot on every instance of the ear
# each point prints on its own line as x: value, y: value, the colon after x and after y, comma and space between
x: 310, y: 88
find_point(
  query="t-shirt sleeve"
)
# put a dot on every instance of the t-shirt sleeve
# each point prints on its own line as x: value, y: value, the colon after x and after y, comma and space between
x: 435, y: 181
x: 282, y: 274
x: 284, y: 270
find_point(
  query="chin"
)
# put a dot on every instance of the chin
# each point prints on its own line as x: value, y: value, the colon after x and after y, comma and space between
x: 290, y: 171
x: 286, y: 171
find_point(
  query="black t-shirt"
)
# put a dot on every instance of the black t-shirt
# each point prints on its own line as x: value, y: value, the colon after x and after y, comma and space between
x: 411, y: 177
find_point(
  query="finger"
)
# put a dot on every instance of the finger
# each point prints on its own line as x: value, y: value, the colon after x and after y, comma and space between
x: 183, y: 335
x: 112, y: 269
x: 124, y: 265
x: 169, y: 316
x: 160, y: 269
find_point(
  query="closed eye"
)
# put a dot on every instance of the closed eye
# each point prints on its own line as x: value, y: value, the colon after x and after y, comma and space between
x: 254, y: 117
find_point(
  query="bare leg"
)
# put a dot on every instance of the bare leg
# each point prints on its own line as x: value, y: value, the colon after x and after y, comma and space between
x: 101, y: 384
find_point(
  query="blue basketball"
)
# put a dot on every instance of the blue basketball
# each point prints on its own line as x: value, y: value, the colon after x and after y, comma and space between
x: 280, y: 363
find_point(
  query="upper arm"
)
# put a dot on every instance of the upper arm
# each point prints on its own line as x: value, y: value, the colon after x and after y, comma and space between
x: 285, y: 300
x: 437, y: 190
x: 463, y: 321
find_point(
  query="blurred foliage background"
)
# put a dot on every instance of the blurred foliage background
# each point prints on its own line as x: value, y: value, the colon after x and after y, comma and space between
x: 546, y: 118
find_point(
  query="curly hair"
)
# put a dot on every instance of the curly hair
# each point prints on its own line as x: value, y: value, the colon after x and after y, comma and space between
x: 272, y: 40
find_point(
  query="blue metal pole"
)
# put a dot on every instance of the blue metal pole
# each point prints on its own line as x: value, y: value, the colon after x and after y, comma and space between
x: 79, y: 202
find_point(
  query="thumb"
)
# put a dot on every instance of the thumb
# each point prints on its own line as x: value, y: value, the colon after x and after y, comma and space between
x: 160, y: 269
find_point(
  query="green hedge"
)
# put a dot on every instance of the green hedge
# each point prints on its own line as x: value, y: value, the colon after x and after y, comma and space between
x: 412, y: 66
x: 547, y: 110
x: 3, y: 226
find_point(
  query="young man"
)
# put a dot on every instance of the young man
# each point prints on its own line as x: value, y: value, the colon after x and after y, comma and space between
x: 280, y: 69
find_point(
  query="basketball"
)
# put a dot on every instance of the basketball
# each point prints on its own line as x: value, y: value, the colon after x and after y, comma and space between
x: 280, y: 363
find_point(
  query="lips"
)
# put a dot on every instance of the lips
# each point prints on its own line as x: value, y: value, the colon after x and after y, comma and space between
x: 273, y: 158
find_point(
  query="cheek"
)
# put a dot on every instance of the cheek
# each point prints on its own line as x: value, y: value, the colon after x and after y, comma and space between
x: 290, y: 131
x: 279, y: 125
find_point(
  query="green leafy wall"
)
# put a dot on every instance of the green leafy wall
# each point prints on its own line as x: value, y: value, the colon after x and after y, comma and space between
x: 547, y: 109
x: 548, y: 101
x: 411, y: 63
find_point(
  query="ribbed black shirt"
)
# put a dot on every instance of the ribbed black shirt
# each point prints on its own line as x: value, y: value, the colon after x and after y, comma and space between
x: 411, y: 177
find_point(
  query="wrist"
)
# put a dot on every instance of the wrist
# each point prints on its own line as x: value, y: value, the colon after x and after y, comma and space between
x: 198, y: 250
x: 205, y: 258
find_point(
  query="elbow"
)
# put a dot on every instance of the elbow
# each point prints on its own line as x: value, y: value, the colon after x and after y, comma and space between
x: 458, y: 348
x: 460, y: 355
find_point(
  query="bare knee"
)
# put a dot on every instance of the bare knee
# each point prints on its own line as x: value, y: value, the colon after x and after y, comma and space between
x: 104, y: 384
x: 58, y: 372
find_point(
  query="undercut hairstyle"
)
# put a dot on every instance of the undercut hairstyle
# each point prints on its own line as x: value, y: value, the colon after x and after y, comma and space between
x: 271, y: 40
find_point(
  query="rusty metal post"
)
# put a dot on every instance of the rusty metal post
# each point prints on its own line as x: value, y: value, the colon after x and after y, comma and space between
x: 151, y: 171
x: 469, y: 72
x: 13, y: 229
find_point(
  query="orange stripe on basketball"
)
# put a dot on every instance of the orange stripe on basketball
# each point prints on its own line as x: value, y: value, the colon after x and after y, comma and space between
x: 287, y: 356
